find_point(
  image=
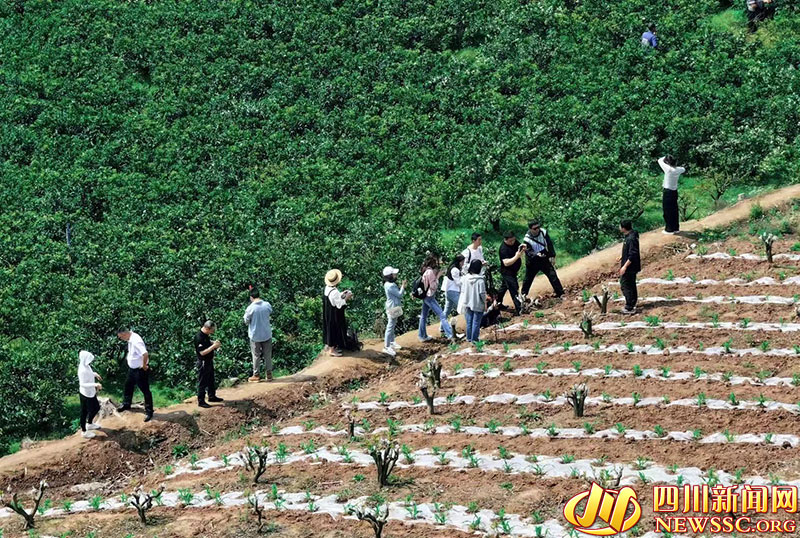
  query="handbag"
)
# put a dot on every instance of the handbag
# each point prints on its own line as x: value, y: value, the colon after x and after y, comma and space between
x: 394, y: 312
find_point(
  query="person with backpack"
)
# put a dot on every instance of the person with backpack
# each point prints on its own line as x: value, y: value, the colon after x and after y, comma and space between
x: 138, y: 373
x: 334, y: 322
x: 669, y: 199
x: 452, y: 287
x: 539, y: 257
x: 630, y: 263
x: 425, y: 289
x: 473, y: 252
x: 259, y: 331
x: 473, y: 300
x: 394, y: 308
x: 87, y: 389
x: 511, y: 253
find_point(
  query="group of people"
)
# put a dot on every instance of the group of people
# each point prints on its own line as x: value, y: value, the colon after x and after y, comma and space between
x: 259, y: 330
x: 466, y: 292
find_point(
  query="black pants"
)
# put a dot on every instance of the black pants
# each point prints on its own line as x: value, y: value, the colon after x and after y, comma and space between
x: 205, y: 379
x: 533, y: 267
x: 138, y: 378
x: 510, y: 284
x: 89, y: 409
x: 628, y: 284
x: 669, y: 203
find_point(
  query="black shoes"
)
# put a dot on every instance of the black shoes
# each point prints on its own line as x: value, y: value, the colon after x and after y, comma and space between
x: 148, y: 417
x: 215, y: 399
x: 203, y: 405
x: 123, y: 408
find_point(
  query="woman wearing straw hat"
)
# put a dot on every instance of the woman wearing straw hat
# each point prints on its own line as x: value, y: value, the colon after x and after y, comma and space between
x: 334, y: 324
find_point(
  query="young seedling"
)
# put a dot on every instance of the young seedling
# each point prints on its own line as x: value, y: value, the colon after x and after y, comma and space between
x: 659, y: 430
x: 607, y: 370
x: 630, y: 347
x: 385, y: 454
x: 377, y: 518
x: 254, y: 460
x: 732, y: 399
x: 603, y: 302
x: 576, y: 397
x: 143, y: 501
x: 652, y: 321
x: 701, y: 399
x: 589, y: 428
x: 16, y: 506
x: 186, y: 496
x: 637, y: 371
x: 540, y: 366
x: 586, y: 324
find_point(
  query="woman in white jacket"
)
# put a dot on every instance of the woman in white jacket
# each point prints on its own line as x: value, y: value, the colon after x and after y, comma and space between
x: 472, y: 301
x: 88, y: 393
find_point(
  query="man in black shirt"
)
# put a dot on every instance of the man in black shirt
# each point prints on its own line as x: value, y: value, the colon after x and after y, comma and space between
x: 630, y: 263
x: 205, y: 349
x: 511, y: 252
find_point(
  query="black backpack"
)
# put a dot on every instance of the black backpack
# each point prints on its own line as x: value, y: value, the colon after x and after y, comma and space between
x: 418, y: 289
x: 351, y: 342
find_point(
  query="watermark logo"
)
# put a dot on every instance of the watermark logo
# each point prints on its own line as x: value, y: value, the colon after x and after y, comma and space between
x: 619, y: 509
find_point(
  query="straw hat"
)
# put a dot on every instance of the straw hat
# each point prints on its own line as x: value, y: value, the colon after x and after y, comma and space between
x: 333, y: 277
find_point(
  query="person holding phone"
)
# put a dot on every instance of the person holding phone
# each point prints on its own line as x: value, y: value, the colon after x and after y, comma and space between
x: 334, y: 322
x: 138, y: 372
x: 511, y: 253
x: 205, y: 349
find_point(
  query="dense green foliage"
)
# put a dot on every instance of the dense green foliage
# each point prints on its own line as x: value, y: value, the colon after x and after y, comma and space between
x: 156, y: 158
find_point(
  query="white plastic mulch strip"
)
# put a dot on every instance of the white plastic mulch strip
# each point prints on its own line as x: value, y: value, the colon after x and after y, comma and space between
x: 513, y: 463
x: 453, y: 517
x: 745, y: 256
x: 540, y: 399
x: 719, y: 299
x: 646, y: 373
x: 633, y: 349
x: 763, y: 281
x: 618, y: 326
x: 789, y: 440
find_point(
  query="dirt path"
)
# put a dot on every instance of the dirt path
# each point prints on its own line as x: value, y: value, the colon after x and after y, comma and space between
x: 605, y: 260
x: 370, y: 361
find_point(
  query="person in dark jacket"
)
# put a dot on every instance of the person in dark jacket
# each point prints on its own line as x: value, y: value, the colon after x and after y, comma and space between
x: 205, y: 348
x: 539, y: 257
x: 630, y: 263
x: 511, y: 253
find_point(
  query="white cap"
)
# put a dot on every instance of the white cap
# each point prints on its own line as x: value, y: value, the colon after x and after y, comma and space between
x: 389, y: 270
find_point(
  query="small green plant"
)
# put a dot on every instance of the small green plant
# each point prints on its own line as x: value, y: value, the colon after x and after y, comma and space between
x: 621, y: 429
x: 637, y: 371
x: 659, y: 431
x: 732, y: 399
x: 180, y: 451
x: 701, y: 399
x: 665, y: 370
x: 96, y: 502
x: 630, y: 347
x: 589, y: 428
x: 636, y: 398
x: 567, y: 458
x: 652, y: 321
x: 186, y: 496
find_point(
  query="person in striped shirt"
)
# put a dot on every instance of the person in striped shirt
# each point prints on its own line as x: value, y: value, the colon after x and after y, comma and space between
x: 539, y: 257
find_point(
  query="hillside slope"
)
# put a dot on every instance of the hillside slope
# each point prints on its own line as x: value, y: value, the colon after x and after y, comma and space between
x: 157, y: 158
x: 700, y: 387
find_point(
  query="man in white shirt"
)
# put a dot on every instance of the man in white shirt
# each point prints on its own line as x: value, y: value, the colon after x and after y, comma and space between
x: 138, y: 372
x: 669, y: 200
x: 473, y: 252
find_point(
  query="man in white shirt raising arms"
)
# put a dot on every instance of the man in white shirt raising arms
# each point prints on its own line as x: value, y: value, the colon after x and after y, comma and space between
x: 138, y: 372
x: 669, y: 200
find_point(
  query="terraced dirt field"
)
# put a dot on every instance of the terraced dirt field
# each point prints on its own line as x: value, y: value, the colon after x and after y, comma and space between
x: 698, y: 388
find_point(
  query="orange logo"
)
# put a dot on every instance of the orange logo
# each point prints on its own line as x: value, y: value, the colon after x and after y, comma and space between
x: 609, y: 505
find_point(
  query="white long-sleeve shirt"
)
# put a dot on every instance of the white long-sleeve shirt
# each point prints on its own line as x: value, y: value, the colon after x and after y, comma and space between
x: 671, y: 174
x: 86, y: 379
x: 335, y: 296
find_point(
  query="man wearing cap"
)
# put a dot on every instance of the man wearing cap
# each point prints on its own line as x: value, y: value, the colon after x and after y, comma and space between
x: 138, y: 376
x: 259, y: 330
x: 334, y: 324
x: 394, y: 308
x: 539, y: 257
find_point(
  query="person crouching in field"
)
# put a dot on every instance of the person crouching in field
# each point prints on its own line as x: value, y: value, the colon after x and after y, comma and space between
x: 394, y: 308
x: 472, y: 302
x: 88, y: 393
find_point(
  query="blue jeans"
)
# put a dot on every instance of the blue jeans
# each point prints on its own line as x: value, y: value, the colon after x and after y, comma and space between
x: 450, y: 304
x: 430, y: 305
x: 388, y: 337
x: 473, y: 325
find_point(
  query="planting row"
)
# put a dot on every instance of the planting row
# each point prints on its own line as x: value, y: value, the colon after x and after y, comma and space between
x: 746, y: 256
x: 652, y: 323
